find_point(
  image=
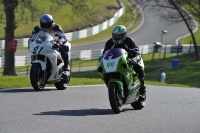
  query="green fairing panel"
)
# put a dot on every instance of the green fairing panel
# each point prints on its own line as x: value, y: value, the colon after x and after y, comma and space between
x: 113, y: 62
x: 114, y: 68
x: 119, y: 83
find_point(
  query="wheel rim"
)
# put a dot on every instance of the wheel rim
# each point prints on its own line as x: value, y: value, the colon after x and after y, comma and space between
x: 40, y: 78
x: 119, y: 99
x: 65, y: 85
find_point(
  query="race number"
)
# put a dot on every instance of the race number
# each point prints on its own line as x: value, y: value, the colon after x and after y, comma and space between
x: 37, y: 49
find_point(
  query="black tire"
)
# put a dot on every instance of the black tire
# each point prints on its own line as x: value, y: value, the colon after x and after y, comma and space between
x: 34, y: 77
x: 140, y: 103
x: 114, y: 98
x: 62, y: 84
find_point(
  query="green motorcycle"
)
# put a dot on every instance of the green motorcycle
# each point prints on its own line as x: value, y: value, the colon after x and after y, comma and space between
x: 121, y: 80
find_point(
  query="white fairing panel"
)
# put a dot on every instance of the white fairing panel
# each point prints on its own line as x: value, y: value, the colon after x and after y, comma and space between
x: 42, y: 45
x: 55, y: 69
x: 111, y: 64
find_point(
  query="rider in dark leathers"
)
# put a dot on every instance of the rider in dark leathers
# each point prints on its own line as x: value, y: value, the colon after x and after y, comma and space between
x: 46, y: 23
x: 121, y: 40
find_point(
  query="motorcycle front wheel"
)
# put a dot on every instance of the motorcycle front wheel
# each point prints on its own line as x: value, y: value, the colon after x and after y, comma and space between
x: 114, y: 98
x: 37, y: 77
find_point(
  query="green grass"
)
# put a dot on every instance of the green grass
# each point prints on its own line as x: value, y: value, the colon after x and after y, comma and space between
x: 74, y: 64
x: 87, y: 63
x: 24, y: 81
x: 186, y: 75
x: 70, y: 19
x: 188, y: 39
x: 125, y: 19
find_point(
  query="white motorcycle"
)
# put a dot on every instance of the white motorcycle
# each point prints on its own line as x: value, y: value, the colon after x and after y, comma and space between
x: 47, y: 63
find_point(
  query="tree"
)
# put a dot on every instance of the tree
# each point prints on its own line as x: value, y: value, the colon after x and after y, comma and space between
x: 174, y: 12
x: 10, y: 7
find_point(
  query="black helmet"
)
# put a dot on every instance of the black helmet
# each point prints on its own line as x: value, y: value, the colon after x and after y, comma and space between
x: 46, y: 21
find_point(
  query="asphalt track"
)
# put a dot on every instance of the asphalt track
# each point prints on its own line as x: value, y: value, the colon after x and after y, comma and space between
x: 148, y: 32
x: 86, y: 109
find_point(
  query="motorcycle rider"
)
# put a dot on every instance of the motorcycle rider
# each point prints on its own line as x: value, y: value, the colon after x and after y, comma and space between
x: 121, y: 40
x: 46, y: 23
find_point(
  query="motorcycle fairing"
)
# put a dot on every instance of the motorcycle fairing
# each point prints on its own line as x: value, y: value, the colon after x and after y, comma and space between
x: 115, y: 62
x: 119, y: 84
x: 131, y: 98
x: 53, y: 58
x: 111, y: 64
x: 134, y: 84
x: 42, y: 45
x: 42, y: 63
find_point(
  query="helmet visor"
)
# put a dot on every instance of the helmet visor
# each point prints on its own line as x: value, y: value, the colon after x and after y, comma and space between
x: 45, y: 25
x: 117, y: 36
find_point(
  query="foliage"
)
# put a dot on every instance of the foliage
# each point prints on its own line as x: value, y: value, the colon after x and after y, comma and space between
x: 173, y: 11
x: 72, y: 15
x: 126, y: 19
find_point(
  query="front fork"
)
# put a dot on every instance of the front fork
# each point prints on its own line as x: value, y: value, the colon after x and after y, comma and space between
x: 42, y: 78
x: 119, y: 85
x: 42, y: 73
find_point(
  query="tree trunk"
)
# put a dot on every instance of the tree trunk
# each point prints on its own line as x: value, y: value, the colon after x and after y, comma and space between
x: 189, y: 28
x: 9, y: 64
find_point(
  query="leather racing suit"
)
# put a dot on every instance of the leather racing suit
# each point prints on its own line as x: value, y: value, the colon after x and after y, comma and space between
x: 55, y: 30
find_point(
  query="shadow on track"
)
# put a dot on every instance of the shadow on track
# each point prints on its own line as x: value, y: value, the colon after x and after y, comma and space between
x: 82, y: 112
x: 22, y: 90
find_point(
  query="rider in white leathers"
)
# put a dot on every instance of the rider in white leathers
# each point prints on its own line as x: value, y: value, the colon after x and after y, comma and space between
x: 46, y: 23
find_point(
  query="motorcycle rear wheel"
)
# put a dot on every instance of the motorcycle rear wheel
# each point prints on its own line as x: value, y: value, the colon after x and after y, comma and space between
x: 140, y: 103
x: 114, y: 98
x: 61, y: 85
x: 36, y: 77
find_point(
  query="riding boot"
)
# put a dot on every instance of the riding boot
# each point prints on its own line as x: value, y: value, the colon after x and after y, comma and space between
x: 66, y: 66
x: 142, y: 87
x: 141, y: 75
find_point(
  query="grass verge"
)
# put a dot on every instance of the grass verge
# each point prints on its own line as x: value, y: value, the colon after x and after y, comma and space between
x: 88, y: 13
x: 175, y: 76
x: 185, y: 75
x: 131, y: 19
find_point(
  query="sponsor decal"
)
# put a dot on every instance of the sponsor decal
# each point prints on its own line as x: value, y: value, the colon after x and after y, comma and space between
x: 54, y: 58
x: 131, y: 98
x: 110, y: 64
x: 110, y: 56
x: 127, y: 75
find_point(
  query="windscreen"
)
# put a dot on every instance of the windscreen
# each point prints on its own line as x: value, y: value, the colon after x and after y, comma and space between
x: 114, y: 53
x: 43, y: 36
